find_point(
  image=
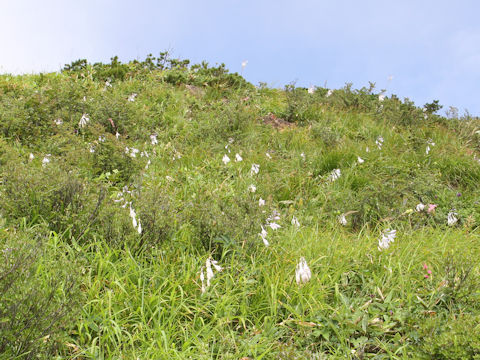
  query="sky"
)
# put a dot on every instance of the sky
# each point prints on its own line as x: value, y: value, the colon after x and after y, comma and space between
x: 430, y: 49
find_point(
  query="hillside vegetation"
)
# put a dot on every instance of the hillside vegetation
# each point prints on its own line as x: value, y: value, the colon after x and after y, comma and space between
x: 160, y: 210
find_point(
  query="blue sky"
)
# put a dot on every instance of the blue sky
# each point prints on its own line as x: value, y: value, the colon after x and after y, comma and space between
x: 430, y: 48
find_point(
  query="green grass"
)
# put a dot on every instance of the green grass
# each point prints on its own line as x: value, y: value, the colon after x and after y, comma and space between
x: 118, y: 294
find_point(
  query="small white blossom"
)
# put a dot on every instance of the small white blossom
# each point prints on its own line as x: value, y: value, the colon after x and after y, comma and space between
x: 153, y: 139
x: 311, y: 89
x: 275, y: 216
x: 92, y: 149
x: 31, y: 157
x: 302, y: 272
x: 202, y: 279
x: 255, y: 169
x: 84, y: 120
x: 46, y: 159
x: 148, y: 164
x: 379, y: 142
x: 216, y: 266
x: 225, y: 159
x: 367, y: 149
x: 101, y: 138
x: 420, y: 207
x: 133, y: 215
x: 342, y: 220
x: 381, y: 97
x: 302, y: 155
x: 132, y: 97
x: 452, y: 218
x: 268, y: 155
x: 263, y: 235
x: 429, y: 143
x: 210, y: 274
x: 169, y: 178
x: 261, y: 202
x: 274, y: 226
x: 139, y: 229
x: 252, y: 188
x: 209, y: 270
x: 329, y: 93
x: 334, y: 175
x: 388, y: 236
x: 360, y: 160
x: 117, y: 135
x: 295, y: 222
x: 238, y: 158
x: 58, y: 121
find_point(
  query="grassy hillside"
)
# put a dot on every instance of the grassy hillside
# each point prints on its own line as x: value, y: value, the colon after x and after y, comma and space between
x: 126, y: 187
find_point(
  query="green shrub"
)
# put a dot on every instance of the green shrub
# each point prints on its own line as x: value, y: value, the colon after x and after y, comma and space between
x: 39, y: 294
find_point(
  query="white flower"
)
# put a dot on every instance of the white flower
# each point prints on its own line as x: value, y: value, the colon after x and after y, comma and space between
x: 133, y: 215
x: 209, y: 270
x: 101, y: 138
x: 274, y: 226
x: 302, y: 272
x: 46, y: 159
x: 202, y: 279
x: 379, y: 142
x: 132, y: 97
x: 429, y: 143
x: 31, y: 157
x: 295, y: 222
x: 107, y: 84
x: 169, y: 178
x: 360, y: 160
x: 58, y: 121
x: 263, y: 235
x: 252, y: 188
x: 84, y: 120
x: 311, y: 89
x: 452, y: 218
x: 275, y: 216
x: 117, y: 135
x: 216, y: 266
x: 367, y: 149
x: 255, y: 169
x: 268, y: 155
x: 238, y: 158
x: 420, y: 207
x: 225, y: 159
x: 329, y: 93
x: 342, y: 220
x: 261, y: 202
x: 302, y: 155
x: 210, y: 274
x: 387, y: 237
x: 153, y: 139
x: 139, y: 229
x: 334, y: 175
x: 148, y: 164
x: 381, y: 97
x: 132, y: 152
x: 92, y: 149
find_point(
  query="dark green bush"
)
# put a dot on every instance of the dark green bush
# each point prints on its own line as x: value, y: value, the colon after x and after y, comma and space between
x: 39, y: 294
